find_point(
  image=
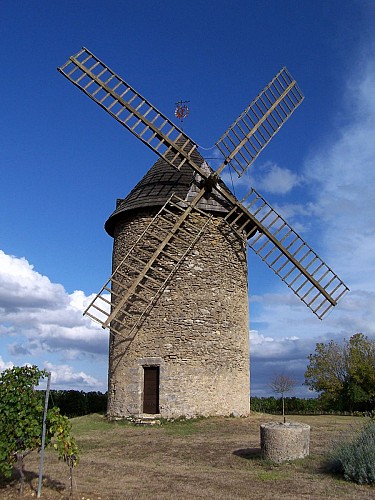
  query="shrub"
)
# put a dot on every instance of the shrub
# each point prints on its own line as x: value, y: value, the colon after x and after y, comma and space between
x: 21, y: 422
x: 355, y: 458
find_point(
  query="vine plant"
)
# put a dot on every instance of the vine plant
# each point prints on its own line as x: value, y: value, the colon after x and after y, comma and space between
x: 21, y: 419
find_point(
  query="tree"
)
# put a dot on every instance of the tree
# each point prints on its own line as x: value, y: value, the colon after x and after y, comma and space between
x: 282, y: 384
x: 344, y: 373
x: 21, y: 419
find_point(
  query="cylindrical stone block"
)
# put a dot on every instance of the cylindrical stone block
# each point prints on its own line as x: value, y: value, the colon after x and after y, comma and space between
x: 281, y: 442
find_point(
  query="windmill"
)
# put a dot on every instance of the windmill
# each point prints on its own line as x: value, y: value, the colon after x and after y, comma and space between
x: 176, y: 304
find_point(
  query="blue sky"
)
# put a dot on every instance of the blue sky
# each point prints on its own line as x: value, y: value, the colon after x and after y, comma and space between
x: 63, y: 161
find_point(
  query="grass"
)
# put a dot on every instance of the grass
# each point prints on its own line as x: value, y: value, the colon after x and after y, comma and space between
x: 90, y: 423
x: 273, y: 475
x: 203, y: 458
x: 182, y: 427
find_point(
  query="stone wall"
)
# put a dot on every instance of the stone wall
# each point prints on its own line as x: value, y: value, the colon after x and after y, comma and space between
x: 197, y: 332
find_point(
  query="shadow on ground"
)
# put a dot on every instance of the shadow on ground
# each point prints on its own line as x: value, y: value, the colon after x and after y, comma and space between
x: 248, y: 453
x: 31, y: 481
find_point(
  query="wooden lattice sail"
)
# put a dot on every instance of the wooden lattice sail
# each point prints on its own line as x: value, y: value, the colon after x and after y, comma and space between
x: 176, y: 226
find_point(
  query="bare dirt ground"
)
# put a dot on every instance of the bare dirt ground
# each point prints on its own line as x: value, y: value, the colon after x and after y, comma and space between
x: 209, y: 458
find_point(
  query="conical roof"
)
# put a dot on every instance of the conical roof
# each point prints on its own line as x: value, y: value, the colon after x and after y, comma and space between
x: 160, y: 182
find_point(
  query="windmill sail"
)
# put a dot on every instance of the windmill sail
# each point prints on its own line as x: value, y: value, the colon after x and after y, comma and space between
x: 240, y: 144
x: 267, y: 233
x: 147, y: 267
x: 260, y: 121
x: 287, y: 254
x: 128, y: 107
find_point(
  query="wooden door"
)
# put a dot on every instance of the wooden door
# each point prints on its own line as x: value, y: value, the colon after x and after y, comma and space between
x: 151, y: 389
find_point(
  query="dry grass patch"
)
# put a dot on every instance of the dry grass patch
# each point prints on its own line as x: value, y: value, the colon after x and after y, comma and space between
x: 205, y: 458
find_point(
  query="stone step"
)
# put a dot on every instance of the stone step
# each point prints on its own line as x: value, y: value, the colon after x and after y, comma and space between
x: 147, y: 419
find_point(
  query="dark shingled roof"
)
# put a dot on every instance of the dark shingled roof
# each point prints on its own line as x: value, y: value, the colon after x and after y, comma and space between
x: 159, y: 183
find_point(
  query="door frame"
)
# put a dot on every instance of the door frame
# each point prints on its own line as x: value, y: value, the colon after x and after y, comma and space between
x: 155, y: 383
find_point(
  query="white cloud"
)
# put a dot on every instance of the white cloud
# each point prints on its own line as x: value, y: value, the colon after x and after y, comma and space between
x: 43, y: 312
x: 39, y: 318
x: 63, y: 376
x: 341, y: 215
x: 4, y: 365
x: 21, y: 287
x: 257, y: 339
x: 268, y: 178
x: 344, y: 177
x: 271, y: 178
x: 271, y: 356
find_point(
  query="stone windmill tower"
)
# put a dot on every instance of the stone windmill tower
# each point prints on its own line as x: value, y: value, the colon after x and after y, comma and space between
x: 190, y: 354
x: 176, y: 303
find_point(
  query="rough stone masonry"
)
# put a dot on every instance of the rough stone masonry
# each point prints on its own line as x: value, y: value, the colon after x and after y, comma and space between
x: 196, y: 335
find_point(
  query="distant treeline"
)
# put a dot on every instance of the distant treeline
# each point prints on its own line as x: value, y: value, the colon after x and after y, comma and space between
x: 292, y: 405
x: 78, y: 403
x: 302, y: 406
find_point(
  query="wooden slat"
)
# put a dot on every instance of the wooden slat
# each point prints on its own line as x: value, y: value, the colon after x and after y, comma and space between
x: 156, y: 260
x: 275, y: 240
x: 259, y: 132
x: 295, y: 256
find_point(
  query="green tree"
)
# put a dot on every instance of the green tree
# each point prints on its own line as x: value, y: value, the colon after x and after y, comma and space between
x: 360, y: 359
x: 21, y: 419
x: 344, y: 374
